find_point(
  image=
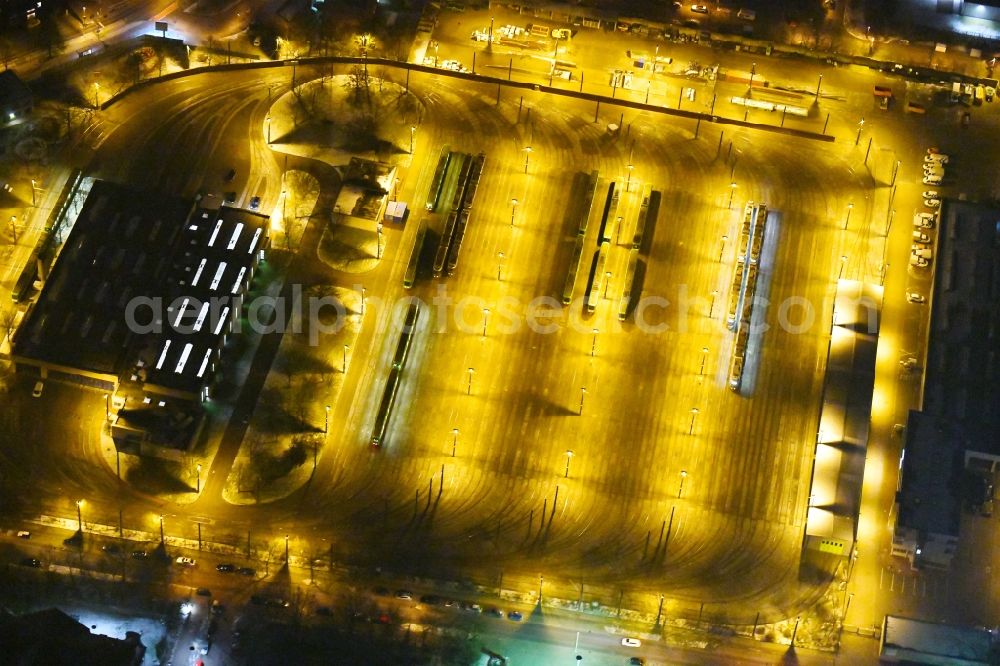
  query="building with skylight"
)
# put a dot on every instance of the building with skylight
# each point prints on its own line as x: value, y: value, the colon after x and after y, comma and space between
x: 141, y: 304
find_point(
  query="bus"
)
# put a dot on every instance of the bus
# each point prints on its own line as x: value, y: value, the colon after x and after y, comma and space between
x: 626, y: 299
x: 442, y: 168
x: 588, y: 203
x: 640, y: 223
x: 574, y: 270
x: 597, y: 276
x: 411, y: 266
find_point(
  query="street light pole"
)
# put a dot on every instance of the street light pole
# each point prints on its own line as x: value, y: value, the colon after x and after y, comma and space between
x: 268, y: 120
x: 454, y: 441
x: 471, y: 372
x: 704, y: 357
x: 79, y: 515
x: 499, y: 265
x: 732, y: 191
x: 593, y: 345
x: 326, y: 420
x: 486, y: 319
x: 583, y: 393
x: 847, y: 220
x: 344, y: 369
x: 197, y: 486
x: 722, y: 247
x: 286, y: 549
x: 607, y: 282
x: 378, y: 251
x: 413, y: 130
x: 843, y: 260
x: 628, y: 181
x: 363, y: 290
x: 694, y: 415
x: 161, y: 530
x: 513, y: 209
x: 569, y: 456
x: 33, y: 192
x: 680, y: 488
x: 527, y: 154
x: 711, y: 310
x: 861, y: 126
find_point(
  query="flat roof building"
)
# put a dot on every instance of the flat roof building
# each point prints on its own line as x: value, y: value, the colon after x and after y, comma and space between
x: 907, y: 641
x: 957, y: 428
x: 139, y: 303
x: 845, y: 415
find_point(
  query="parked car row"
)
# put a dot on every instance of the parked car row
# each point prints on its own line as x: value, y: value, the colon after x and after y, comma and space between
x: 922, y: 252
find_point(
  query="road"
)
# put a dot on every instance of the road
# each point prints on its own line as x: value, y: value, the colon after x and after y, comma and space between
x: 734, y: 538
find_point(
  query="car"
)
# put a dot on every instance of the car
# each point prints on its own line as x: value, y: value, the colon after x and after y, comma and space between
x: 185, y: 561
x: 990, y: 93
x: 276, y: 602
x: 934, y: 168
x: 631, y: 642
x: 404, y: 594
x: 930, y: 194
x: 246, y: 571
x: 515, y: 616
x: 383, y: 618
x: 203, y: 592
x: 139, y: 555
x: 932, y: 203
x: 933, y: 150
x: 636, y: 661
x: 919, y: 262
x: 254, y: 203
x: 921, y: 237
x: 561, y: 33
x: 37, y: 391
x: 923, y: 220
x: 471, y: 607
x: 914, y: 297
x: 930, y: 179
x: 689, y: 93
x: 31, y: 562
x: 112, y: 549
x: 225, y: 568
x: 936, y: 158
x: 494, y: 612
x: 23, y: 534
x: 230, y: 175
x: 699, y: 9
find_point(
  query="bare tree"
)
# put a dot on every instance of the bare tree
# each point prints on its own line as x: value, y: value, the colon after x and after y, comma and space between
x: 7, y: 319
